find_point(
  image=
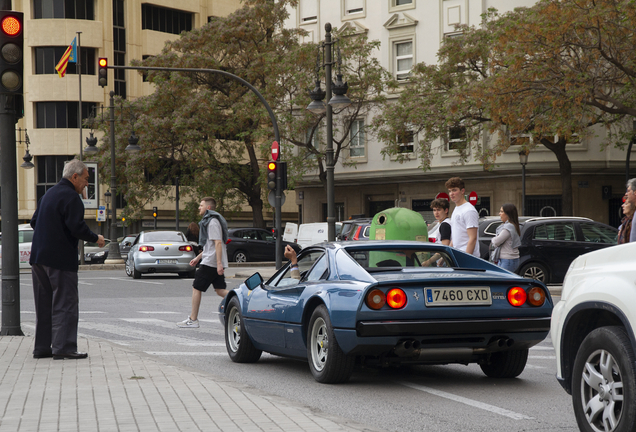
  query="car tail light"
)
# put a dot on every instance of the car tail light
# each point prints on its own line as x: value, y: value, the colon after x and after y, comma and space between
x: 396, y: 298
x: 432, y: 239
x: 536, y: 296
x: 187, y: 248
x: 356, y: 236
x: 517, y: 296
x: 228, y: 241
x: 376, y: 299
x: 146, y: 248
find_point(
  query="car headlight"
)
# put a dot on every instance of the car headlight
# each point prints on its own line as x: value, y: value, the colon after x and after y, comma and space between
x: 99, y: 254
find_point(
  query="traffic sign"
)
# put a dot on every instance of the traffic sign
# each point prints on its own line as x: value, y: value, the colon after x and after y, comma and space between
x: 275, y: 150
x: 472, y: 198
x: 442, y: 195
x: 101, y: 214
x: 271, y: 198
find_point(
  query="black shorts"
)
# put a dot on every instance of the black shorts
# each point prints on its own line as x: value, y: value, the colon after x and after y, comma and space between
x: 206, y: 276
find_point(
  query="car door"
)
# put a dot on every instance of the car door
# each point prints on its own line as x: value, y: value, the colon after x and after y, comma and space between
x: 595, y: 236
x: 275, y: 310
x: 266, y: 244
x: 555, y: 242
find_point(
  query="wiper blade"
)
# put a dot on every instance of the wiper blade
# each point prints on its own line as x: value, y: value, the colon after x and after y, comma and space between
x: 469, y: 269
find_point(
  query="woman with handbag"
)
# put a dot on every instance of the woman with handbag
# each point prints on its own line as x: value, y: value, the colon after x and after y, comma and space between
x: 507, y: 239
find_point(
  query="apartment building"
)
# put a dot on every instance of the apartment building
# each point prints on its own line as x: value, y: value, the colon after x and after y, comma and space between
x: 412, y: 31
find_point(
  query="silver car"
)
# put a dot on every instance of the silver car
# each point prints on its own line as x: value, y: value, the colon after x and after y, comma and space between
x: 160, y: 252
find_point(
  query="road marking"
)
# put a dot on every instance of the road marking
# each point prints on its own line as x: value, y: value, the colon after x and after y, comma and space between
x: 81, y: 282
x: 91, y: 312
x: 188, y: 354
x: 540, y: 348
x: 125, y: 279
x: 487, y: 407
x: 543, y: 357
x: 119, y: 333
x: 158, y: 312
x: 534, y: 367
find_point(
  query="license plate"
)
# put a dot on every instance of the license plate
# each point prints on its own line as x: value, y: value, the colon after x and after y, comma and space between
x: 166, y: 261
x: 443, y: 296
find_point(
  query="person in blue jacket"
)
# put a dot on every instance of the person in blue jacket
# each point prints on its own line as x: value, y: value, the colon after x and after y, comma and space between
x: 58, y: 222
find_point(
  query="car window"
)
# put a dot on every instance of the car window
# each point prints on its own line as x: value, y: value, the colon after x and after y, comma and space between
x: 318, y: 271
x: 492, y: 228
x: 563, y: 231
x: 598, y: 233
x: 265, y: 235
x: 155, y: 237
x: 250, y: 235
x: 305, y: 262
x: 25, y: 236
x: 365, y: 233
x: 371, y: 259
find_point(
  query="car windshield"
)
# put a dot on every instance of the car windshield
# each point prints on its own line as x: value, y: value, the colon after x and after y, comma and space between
x: 164, y: 236
x: 397, y: 259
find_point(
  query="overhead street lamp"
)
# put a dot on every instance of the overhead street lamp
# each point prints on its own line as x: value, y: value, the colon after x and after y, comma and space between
x: 523, y: 160
x: 113, y: 250
x: 27, y: 158
x: 317, y: 106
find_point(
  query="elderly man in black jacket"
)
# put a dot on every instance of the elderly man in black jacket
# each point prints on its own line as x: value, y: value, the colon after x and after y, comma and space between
x: 59, y: 223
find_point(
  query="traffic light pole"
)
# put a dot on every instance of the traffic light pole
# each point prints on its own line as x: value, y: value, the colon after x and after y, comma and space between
x: 114, y: 257
x: 10, y: 252
x: 272, y: 116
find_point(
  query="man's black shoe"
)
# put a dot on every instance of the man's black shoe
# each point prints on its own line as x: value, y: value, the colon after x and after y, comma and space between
x: 45, y: 355
x: 70, y: 355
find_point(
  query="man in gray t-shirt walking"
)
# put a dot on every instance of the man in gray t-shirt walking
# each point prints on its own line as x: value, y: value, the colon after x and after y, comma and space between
x: 213, y: 258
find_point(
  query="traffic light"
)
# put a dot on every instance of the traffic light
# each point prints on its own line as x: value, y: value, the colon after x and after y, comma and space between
x: 271, y: 175
x: 12, y: 52
x: 102, y: 71
x: 154, y: 212
x: 123, y: 219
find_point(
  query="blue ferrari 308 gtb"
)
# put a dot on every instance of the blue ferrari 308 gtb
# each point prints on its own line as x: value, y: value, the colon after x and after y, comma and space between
x: 388, y: 303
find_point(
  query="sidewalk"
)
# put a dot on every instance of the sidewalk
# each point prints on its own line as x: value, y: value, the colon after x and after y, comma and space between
x: 118, y: 389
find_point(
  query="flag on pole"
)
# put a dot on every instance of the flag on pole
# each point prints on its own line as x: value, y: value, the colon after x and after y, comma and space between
x: 70, y: 55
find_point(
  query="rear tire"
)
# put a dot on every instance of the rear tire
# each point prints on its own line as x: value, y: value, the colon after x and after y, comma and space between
x: 240, y: 257
x: 604, y: 382
x: 237, y: 341
x: 136, y: 273
x: 505, y: 364
x: 535, y: 271
x: 327, y: 362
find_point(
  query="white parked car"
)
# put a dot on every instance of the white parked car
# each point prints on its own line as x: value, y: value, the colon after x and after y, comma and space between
x: 592, y: 331
x: 25, y: 236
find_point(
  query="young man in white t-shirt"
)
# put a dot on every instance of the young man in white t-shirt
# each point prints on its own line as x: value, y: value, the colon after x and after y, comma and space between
x: 213, y: 260
x: 465, y: 219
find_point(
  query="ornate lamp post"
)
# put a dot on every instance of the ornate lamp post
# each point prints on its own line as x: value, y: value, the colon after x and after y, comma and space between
x: 317, y: 106
x: 107, y: 196
x: 27, y: 156
x: 523, y: 160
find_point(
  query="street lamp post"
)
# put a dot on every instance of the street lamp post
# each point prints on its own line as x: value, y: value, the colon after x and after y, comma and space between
x: 317, y: 106
x: 523, y: 160
x: 114, y: 256
x: 107, y: 196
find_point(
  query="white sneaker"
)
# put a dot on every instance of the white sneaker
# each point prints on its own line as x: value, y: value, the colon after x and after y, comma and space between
x: 188, y: 323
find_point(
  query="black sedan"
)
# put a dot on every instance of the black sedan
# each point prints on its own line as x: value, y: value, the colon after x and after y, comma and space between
x: 253, y: 244
x: 550, y: 244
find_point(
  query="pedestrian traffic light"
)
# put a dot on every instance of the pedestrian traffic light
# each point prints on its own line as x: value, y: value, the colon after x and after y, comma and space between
x: 102, y: 71
x: 12, y: 52
x: 271, y: 175
x: 154, y: 212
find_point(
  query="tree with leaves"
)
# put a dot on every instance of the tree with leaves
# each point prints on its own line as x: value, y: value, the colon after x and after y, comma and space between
x: 212, y: 131
x: 523, y: 77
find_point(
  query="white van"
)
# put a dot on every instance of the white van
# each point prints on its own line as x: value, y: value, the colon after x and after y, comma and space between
x: 25, y: 236
x: 290, y: 233
x: 312, y: 233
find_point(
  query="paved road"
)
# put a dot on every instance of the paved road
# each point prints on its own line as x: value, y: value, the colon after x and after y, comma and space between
x: 141, y: 315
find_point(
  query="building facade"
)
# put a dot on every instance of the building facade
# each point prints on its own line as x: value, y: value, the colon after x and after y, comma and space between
x: 410, y: 32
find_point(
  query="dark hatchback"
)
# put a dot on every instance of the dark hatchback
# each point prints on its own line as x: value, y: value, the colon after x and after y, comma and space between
x: 253, y: 244
x: 549, y: 245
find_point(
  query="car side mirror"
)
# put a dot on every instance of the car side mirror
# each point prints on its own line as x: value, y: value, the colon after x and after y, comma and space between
x: 254, y: 281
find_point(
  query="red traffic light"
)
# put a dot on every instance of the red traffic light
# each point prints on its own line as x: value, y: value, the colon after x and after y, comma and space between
x: 275, y: 150
x: 11, y: 26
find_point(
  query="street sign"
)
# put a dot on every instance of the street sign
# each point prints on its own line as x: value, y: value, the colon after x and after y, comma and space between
x: 442, y: 195
x: 275, y: 150
x: 271, y: 198
x: 472, y: 198
x: 101, y: 214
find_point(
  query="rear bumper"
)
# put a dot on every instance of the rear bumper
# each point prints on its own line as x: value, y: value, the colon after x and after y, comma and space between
x: 451, y: 327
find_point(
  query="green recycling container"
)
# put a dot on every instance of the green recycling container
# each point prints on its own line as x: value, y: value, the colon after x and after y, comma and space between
x: 396, y: 224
